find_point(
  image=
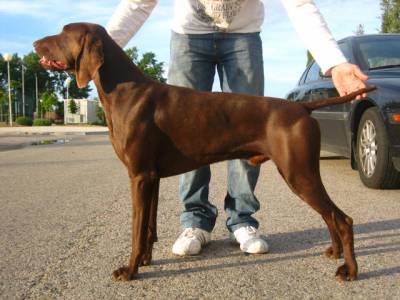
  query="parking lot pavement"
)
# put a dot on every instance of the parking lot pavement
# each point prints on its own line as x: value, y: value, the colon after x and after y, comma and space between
x: 12, y: 138
x: 25, y: 130
x: 65, y: 226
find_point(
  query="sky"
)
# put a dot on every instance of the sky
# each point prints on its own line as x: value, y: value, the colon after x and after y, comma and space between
x: 24, y: 21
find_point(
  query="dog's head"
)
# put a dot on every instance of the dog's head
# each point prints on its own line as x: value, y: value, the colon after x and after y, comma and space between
x: 78, y: 48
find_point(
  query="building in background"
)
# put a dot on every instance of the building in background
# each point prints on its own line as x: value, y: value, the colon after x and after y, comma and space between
x: 86, y: 111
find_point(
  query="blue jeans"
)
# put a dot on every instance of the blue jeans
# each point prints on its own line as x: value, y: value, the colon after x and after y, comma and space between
x: 237, y: 57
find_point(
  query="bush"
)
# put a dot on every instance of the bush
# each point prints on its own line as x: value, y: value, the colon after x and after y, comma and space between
x: 101, y: 116
x: 24, y: 121
x: 97, y: 123
x: 41, y: 122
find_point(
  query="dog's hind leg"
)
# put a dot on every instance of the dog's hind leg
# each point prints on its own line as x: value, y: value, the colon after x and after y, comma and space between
x: 339, y: 224
x: 142, y: 189
x: 336, y: 249
x: 299, y: 166
x: 340, y: 228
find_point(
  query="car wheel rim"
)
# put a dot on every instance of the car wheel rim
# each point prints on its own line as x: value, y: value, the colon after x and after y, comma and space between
x: 368, y: 148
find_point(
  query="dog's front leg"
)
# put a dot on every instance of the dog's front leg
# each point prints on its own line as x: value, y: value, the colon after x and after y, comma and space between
x: 152, y: 232
x: 142, y: 188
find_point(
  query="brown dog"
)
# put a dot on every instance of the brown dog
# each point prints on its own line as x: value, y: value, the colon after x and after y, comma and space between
x: 158, y: 130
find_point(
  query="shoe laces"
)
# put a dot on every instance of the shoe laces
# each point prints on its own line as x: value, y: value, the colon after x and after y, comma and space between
x: 194, y: 233
x: 246, y: 233
x: 251, y: 231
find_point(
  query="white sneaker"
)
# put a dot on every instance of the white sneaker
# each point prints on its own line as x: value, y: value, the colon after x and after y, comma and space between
x: 250, y: 240
x: 191, y: 241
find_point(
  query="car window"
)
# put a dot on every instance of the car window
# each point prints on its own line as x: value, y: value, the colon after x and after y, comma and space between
x: 313, y: 73
x: 345, y: 47
x: 381, y: 53
x: 303, y: 76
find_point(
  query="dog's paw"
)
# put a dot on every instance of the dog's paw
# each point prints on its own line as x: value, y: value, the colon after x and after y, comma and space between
x: 123, y: 274
x: 332, y: 253
x: 344, y: 273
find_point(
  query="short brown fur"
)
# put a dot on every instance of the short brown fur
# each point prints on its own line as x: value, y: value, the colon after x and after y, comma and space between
x: 158, y: 130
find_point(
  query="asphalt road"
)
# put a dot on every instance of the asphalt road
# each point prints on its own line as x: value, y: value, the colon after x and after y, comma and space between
x: 65, y: 226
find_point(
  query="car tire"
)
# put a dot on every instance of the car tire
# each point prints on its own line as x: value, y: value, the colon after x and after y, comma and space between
x: 374, y: 159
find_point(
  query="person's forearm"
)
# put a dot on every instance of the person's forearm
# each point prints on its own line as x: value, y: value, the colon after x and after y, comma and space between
x: 313, y: 31
x: 128, y: 18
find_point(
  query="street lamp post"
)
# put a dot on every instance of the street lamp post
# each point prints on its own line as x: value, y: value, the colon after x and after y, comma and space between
x: 23, y: 89
x: 37, y: 96
x: 8, y: 58
x: 67, y: 83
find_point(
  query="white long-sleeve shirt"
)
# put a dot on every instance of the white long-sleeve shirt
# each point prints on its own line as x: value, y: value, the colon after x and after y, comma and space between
x: 240, y: 16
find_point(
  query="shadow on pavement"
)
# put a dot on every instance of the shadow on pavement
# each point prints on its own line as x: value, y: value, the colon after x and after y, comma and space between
x: 287, y: 242
x: 379, y: 273
x: 336, y: 157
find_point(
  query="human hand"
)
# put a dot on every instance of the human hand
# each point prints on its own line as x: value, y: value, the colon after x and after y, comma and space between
x: 348, y: 78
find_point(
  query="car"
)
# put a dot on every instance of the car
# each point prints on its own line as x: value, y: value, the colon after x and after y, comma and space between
x: 367, y: 131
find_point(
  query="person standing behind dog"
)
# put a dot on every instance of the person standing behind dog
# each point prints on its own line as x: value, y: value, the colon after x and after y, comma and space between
x: 224, y: 36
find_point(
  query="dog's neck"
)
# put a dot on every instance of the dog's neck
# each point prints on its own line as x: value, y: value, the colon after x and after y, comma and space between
x: 117, y: 68
x: 111, y: 79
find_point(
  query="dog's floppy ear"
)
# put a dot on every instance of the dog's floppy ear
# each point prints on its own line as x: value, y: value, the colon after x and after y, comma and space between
x: 89, y: 60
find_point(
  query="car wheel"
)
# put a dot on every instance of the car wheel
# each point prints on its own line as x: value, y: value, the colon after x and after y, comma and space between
x: 374, y: 160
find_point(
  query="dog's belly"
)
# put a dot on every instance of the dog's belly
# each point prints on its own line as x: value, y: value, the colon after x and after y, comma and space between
x: 171, y: 163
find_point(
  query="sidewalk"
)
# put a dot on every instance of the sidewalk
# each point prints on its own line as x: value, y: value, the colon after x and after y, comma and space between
x: 52, y: 130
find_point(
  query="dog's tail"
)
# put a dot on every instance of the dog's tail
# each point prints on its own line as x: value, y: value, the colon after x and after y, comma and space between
x: 310, y: 106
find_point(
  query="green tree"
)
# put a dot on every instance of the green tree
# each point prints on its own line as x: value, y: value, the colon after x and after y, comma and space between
x: 60, y: 78
x: 148, y: 64
x: 3, y: 101
x: 72, y: 106
x: 101, y: 115
x: 48, y: 81
x: 390, y: 16
x: 44, y: 81
x: 48, y: 101
x: 133, y: 54
x: 33, y: 70
x: 15, y: 84
x: 60, y: 108
x: 15, y: 71
x: 54, y: 81
x: 77, y: 93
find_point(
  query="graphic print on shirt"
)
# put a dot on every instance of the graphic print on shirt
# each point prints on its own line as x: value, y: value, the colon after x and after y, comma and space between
x: 220, y: 13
